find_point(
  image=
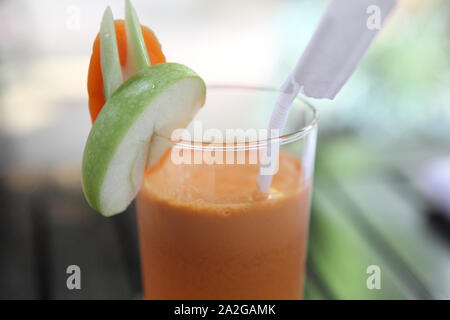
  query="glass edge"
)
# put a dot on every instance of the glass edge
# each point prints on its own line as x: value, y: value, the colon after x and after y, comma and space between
x: 284, y: 139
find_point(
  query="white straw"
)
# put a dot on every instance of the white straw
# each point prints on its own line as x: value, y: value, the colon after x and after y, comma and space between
x: 343, y: 36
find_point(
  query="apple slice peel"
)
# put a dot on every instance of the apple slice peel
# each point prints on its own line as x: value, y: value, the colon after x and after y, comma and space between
x: 155, y: 100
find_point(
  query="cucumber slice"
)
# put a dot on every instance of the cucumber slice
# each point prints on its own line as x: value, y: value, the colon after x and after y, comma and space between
x: 155, y: 100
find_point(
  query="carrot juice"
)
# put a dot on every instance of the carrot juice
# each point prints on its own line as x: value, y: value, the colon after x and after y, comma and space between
x: 204, y: 234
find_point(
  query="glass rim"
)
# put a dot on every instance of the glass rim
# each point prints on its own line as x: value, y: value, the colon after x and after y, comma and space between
x: 250, y: 145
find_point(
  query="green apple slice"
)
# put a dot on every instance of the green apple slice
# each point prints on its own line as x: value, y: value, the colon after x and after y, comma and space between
x: 137, y: 51
x: 109, y: 55
x: 153, y: 101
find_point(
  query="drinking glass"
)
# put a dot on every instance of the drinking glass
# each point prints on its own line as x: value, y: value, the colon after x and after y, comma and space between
x: 205, y: 230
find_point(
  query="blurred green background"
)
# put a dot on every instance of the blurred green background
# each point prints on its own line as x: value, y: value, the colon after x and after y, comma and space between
x: 382, y: 184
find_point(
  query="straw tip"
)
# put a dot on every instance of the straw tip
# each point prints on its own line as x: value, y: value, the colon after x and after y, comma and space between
x: 264, y: 182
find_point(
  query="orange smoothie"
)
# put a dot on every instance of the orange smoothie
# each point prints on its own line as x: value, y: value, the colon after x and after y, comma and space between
x: 204, y: 235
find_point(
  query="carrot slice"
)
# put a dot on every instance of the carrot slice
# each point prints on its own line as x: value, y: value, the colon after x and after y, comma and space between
x: 95, y: 78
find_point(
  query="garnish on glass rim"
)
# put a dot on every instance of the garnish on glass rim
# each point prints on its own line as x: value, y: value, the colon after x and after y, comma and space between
x: 95, y: 81
x: 155, y: 99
